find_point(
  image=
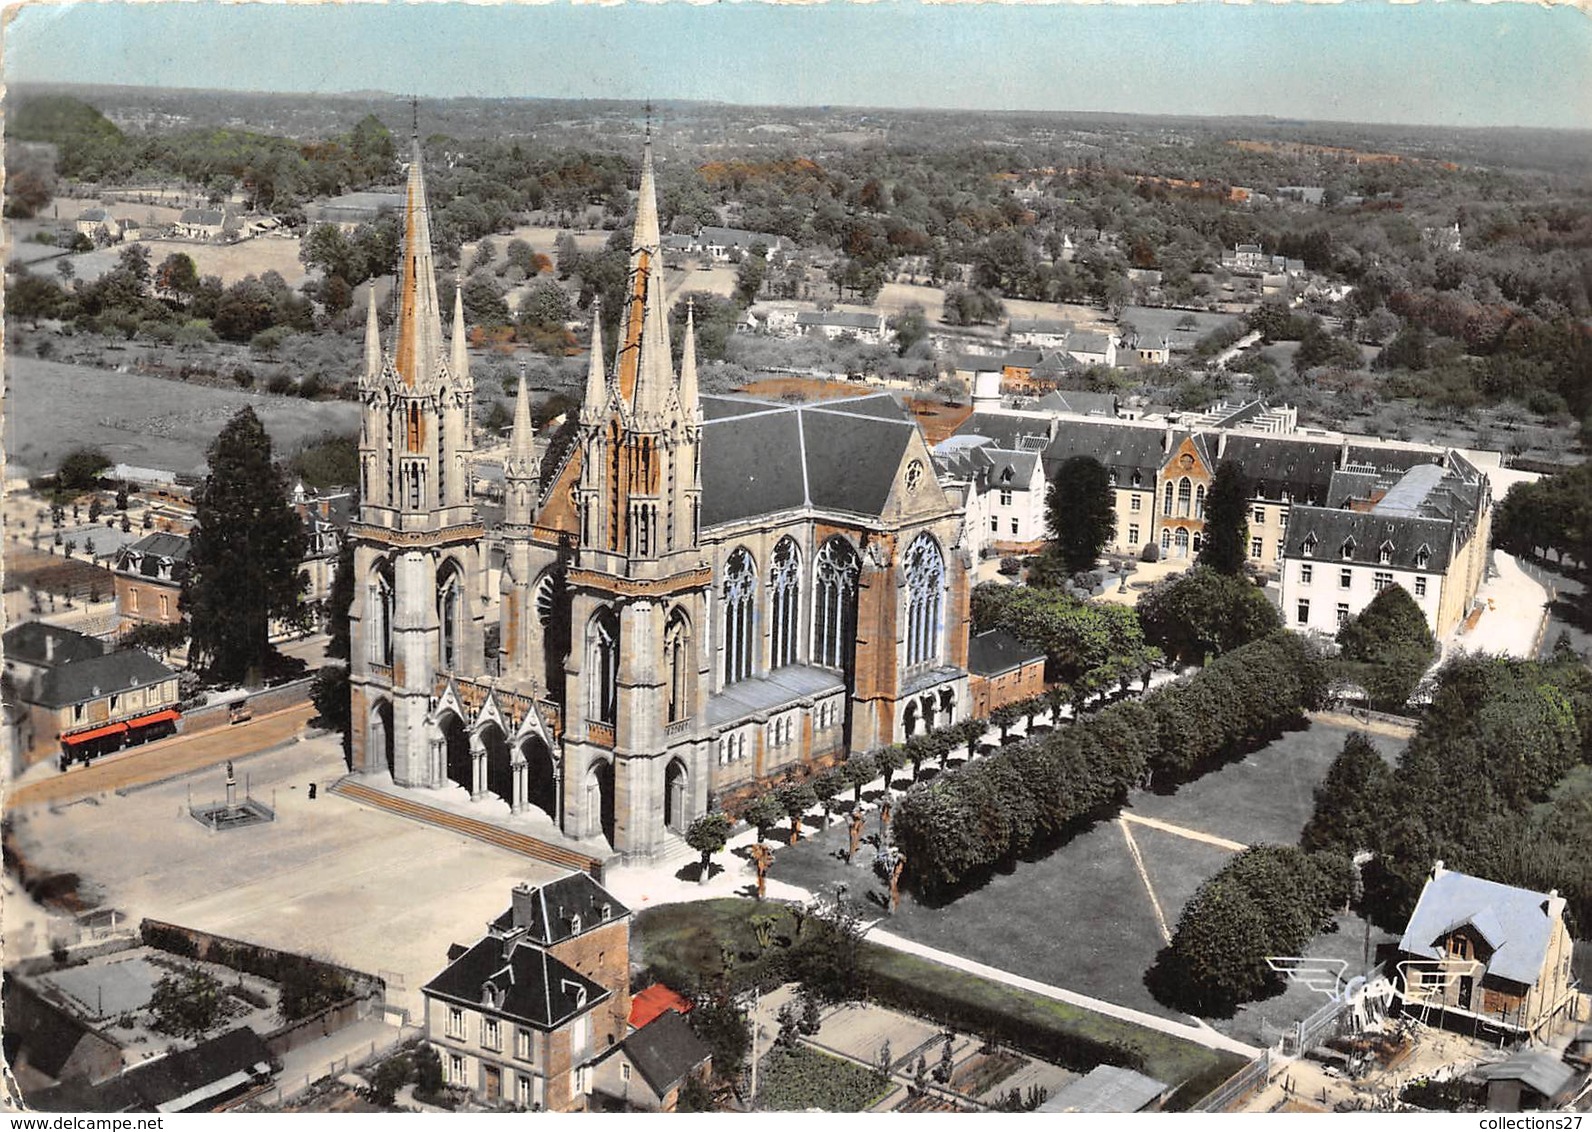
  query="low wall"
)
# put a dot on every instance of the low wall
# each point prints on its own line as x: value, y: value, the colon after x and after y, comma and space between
x: 212, y: 716
x: 316, y: 1026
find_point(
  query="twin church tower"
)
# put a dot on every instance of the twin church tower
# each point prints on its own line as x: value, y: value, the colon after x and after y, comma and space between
x: 704, y: 597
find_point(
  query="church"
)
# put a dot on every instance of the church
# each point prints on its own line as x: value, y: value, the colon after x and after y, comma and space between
x: 706, y: 597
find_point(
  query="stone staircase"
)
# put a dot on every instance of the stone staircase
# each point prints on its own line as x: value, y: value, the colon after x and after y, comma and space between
x: 354, y: 790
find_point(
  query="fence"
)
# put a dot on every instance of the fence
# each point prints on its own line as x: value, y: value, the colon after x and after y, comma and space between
x: 213, y: 716
x: 1306, y: 1034
x: 1251, y: 1077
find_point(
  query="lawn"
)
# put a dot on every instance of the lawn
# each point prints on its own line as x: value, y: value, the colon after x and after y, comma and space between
x: 1079, y: 917
x: 679, y: 944
x: 794, y: 1080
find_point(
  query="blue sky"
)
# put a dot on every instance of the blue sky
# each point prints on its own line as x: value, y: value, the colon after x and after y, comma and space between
x: 1452, y: 63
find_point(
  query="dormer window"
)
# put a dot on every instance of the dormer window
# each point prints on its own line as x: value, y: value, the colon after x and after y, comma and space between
x: 1384, y: 554
x: 608, y: 911
x: 576, y: 992
x: 1137, y: 478
x: 1422, y: 557
x: 574, y: 924
x: 1308, y: 547
x: 1347, y: 550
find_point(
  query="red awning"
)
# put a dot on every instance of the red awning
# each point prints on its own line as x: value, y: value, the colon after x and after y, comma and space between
x: 170, y: 715
x: 94, y: 733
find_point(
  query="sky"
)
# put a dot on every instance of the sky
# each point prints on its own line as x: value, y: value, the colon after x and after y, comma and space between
x: 1455, y: 63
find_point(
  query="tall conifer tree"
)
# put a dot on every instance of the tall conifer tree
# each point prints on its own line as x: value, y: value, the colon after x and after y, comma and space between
x: 1226, y: 521
x: 243, y: 568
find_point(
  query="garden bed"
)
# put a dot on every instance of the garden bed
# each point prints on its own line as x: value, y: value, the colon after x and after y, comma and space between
x: 801, y: 1078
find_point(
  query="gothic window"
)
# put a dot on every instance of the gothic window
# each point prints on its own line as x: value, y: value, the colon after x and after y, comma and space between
x: 677, y: 661
x: 1166, y: 506
x: 448, y: 606
x: 925, y: 568
x: 380, y: 612
x: 603, y: 668
x: 1185, y: 493
x: 785, y: 583
x: 413, y: 433
x: 740, y: 591
x: 835, y: 605
x: 1199, y: 502
x: 546, y: 596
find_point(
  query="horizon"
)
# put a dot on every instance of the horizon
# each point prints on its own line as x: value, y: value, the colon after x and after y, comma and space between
x: 1506, y: 65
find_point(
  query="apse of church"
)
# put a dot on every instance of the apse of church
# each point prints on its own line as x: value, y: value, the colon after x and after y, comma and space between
x: 707, y: 596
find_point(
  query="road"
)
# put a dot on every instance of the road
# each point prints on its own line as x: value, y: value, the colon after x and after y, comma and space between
x: 178, y: 755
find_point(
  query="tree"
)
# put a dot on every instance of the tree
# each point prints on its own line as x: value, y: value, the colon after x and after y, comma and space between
x: 1351, y: 800
x: 1080, y: 512
x: 243, y: 563
x: 340, y: 603
x: 708, y: 835
x: 1388, y: 647
x: 1226, y: 546
x: 329, y: 693
x: 749, y: 275
x: 186, y: 1005
x: 724, y: 1030
x: 763, y: 813
x: 795, y: 798
x: 911, y: 327
x: 1199, y: 614
x: 80, y: 469
x: 859, y: 769
x: 177, y: 276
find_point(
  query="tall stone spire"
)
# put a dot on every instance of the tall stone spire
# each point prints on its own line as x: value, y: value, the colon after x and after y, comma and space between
x: 646, y: 236
x: 372, y: 339
x: 594, y: 406
x: 654, y: 374
x: 419, y: 342
x: 688, y: 367
x: 460, y: 364
x: 522, y: 442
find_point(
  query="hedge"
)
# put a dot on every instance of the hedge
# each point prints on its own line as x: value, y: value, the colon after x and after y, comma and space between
x: 992, y: 810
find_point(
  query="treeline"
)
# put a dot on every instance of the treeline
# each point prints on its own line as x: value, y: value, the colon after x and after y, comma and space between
x: 1551, y: 515
x: 1023, y: 797
x: 1090, y: 647
x: 1475, y: 787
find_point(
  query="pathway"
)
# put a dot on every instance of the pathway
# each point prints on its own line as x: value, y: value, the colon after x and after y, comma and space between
x: 1183, y: 831
x: 168, y: 758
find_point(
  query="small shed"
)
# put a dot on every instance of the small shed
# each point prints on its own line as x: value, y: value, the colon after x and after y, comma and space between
x: 1109, y: 1088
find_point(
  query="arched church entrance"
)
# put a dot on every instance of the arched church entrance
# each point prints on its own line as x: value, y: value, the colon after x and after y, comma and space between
x: 599, y: 799
x: 676, y: 796
x: 379, y: 741
x: 499, y: 771
x: 457, y: 741
x: 541, y: 781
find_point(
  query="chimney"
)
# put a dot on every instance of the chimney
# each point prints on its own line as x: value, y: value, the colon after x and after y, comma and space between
x: 49, y: 648
x: 1221, y: 445
x: 1343, y: 453
x: 1438, y: 870
x: 1554, y: 905
x: 1166, y: 440
x: 524, y: 905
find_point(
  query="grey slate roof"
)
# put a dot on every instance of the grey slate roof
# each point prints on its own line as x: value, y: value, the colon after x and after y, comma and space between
x: 1088, y: 342
x: 1124, y: 449
x: 29, y: 643
x: 1013, y: 471
x: 1514, y: 922
x: 1007, y: 430
x: 162, y: 544
x: 98, y: 676
x: 544, y: 913
x: 665, y: 1050
x: 761, y: 458
x: 1080, y: 402
x: 781, y: 688
x: 1273, y: 465
x: 1537, y: 1069
x: 1039, y: 326
x: 995, y: 651
x: 850, y: 319
x: 188, y: 1080
x: 538, y: 990
x: 1333, y: 527
x: 736, y: 237
x: 1106, y: 1088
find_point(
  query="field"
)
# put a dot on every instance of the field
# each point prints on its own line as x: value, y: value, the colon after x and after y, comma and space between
x: 53, y: 408
x: 230, y: 261
x: 895, y: 297
x: 1081, y: 918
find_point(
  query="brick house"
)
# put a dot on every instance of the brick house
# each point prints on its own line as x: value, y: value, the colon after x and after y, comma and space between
x: 149, y: 575
x: 1002, y: 670
x: 520, y: 1017
x: 1516, y: 940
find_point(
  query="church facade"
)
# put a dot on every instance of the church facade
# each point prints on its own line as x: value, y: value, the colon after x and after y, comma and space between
x: 706, y: 596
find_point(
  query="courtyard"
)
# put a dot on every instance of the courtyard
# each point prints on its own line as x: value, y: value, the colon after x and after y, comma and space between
x: 328, y: 878
x: 1091, y: 915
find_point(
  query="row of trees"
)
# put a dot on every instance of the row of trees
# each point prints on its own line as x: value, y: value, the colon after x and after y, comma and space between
x: 1023, y: 797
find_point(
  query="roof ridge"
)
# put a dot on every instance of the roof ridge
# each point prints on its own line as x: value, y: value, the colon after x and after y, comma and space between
x: 801, y: 440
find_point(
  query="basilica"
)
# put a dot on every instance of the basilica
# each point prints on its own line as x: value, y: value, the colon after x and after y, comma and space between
x: 706, y: 597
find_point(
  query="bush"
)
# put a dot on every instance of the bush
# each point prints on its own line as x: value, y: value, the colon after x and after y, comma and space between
x: 1204, y: 613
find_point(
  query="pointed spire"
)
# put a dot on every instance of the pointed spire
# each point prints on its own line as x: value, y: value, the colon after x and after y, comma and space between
x: 522, y: 443
x: 688, y: 366
x: 646, y: 235
x: 372, y: 338
x: 418, y: 346
x: 594, y: 406
x: 460, y: 364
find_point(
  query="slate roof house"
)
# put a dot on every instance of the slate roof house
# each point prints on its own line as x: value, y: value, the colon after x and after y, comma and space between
x: 647, y: 1071
x: 148, y: 578
x: 520, y: 1017
x: 867, y: 327
x: 1513, y: 943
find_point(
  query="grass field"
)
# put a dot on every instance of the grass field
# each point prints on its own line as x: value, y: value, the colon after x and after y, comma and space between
x: 1081, y: 918
x: 680, y: 944
x: 52, y: 408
